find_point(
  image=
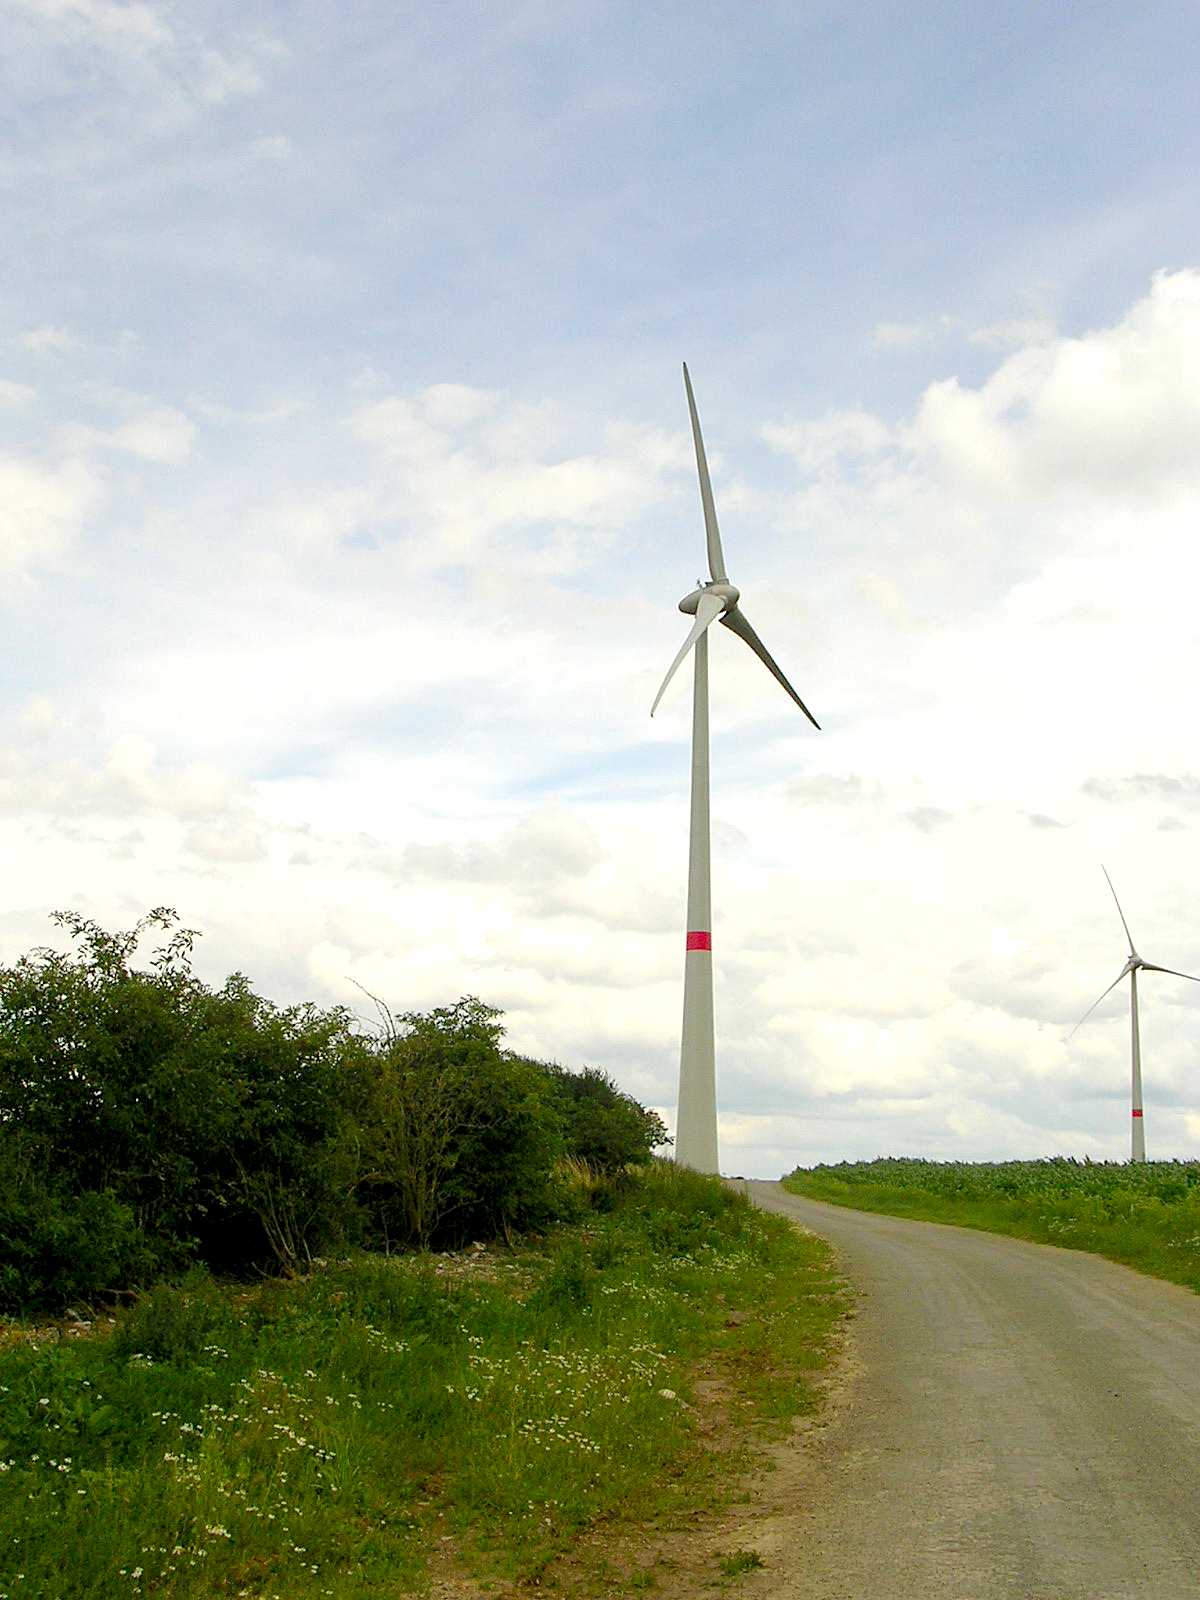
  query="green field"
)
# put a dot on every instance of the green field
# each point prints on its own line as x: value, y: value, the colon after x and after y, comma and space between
x: 1145, y: 1214
x: 378, y: 1420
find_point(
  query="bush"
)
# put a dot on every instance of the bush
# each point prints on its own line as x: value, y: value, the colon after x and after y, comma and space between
x: 179, y: 1123
x: 461, y: 1138
x: 681, y: 1211
x: 185, y: 1125
x: 62, y: 1249
x: 569, y: 1286
x: 176, y: 1322
x: 603, y: 1125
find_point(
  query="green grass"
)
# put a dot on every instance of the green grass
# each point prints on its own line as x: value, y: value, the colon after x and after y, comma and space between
x: 739, y: 1561
x: 347, y: 1433
x: 1145, y: 1214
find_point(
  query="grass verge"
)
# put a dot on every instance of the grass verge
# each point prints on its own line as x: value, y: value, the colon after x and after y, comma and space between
x: 1145, y: 1216
x: 384, y: 1418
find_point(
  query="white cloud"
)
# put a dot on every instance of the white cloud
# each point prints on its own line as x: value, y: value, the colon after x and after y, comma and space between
x: 49, y: 340
x: 39, y: 716
x: 133, y: 425
x: 843, y: 436
x: 468, y: 464
x: 41, y: 511
x: 916, y: 335
x: 127, y: 778
x: 14, y: 395
x: 1115, y: 411
x: 1033, y: 324
x: 120, y: 71
x: 223, y: 75
x: 1181, y: 789
x: 163, y: 434
x: 928, y: 818
x: 135, y: 776
x: 899, y: 335
x: 829, y: 788
x: 1038, y: 819
x: 121, y: 24
x: 542, y: 850
x: 236, y: 841
x: 1014, y: 333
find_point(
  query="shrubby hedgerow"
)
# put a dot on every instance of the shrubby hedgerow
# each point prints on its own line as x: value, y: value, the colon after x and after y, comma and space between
x: 149, y: 1122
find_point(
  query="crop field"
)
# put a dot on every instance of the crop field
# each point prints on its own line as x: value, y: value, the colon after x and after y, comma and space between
x: 1145, y: 1214
x: 381, y: 1420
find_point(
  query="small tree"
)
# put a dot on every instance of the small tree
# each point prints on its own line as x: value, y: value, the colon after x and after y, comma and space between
x: 462, y: 1138
x: 602, y: 1124
x: 415, y: 1115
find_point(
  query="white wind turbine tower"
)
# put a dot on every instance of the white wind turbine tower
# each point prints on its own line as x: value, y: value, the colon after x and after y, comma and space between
x: 1133, y: 966
x: 696, y: 1121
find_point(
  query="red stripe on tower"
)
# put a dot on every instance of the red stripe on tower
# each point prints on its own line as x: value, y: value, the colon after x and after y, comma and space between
x: 699, y: 941
x: 1137, y: 1111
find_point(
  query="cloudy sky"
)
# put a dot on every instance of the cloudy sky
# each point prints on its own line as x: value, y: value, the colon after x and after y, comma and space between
x: 346, y: 497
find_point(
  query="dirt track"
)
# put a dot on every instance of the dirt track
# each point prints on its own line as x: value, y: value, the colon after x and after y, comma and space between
x: 1018, y: 1423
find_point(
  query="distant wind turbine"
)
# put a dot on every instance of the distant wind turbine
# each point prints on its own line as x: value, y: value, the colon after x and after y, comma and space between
x: 696, y: 1122
x: 1133, y: 966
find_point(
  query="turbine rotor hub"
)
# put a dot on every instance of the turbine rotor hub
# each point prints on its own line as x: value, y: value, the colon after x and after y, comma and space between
x: 725, y: 592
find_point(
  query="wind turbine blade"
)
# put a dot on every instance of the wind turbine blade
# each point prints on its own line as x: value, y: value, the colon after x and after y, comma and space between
x: 707, y: 612
x: 1094, y: 1004
x: 716, y: 561
x: 1120, y: 913
x: 1150, y: 967
x: 736, y: 621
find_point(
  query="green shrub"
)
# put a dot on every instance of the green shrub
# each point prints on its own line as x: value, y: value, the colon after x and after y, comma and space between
x: 177, y: 1122
x: 603, y: 1125
x: 68, y: 1250
x: 185, y: 1125
x: 569, y: 1285
x: 175, y: 1322
x: 683, y: 1211
x: 462, y: 1138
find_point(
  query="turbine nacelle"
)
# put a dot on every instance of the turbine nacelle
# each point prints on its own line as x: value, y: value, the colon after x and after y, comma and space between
x: 723, y: 591
x: 717, y: 601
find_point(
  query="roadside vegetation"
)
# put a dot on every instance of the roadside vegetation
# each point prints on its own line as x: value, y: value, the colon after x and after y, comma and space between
x: 1144, y: 1214
x: 295, y: 1306
x: 351, y: 1430
x: 150, y: 1123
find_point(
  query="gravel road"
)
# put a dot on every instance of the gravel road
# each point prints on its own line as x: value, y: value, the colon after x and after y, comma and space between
x: 1019, y: 1423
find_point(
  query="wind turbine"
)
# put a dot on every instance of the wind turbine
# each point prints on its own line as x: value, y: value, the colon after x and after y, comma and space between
x: 1133, y: 966
x: 696, y: 1122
